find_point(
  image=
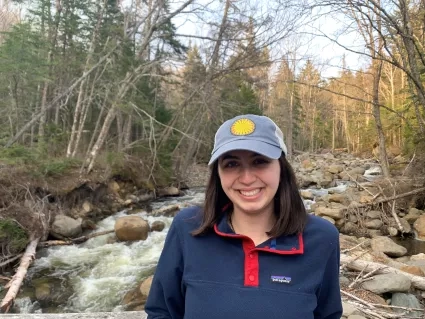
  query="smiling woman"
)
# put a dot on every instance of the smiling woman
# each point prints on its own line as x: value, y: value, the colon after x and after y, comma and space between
x: 252, y: 250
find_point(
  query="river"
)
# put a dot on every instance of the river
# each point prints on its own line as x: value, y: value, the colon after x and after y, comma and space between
x: 95, y: 275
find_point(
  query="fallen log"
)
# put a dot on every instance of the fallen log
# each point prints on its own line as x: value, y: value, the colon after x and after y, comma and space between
x: 77, y: 240
x: 358, y: 264
x: 387, y: 199
x: 19, y: 276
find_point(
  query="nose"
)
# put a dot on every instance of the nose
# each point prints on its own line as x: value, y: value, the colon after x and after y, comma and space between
x: 247, y: 176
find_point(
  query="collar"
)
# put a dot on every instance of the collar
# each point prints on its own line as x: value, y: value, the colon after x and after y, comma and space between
x: 283, y: 245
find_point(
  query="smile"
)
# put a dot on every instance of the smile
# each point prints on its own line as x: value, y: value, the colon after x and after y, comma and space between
x: 251, y: 192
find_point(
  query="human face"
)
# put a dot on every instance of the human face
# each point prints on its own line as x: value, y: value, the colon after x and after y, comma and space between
x: 250, y: 180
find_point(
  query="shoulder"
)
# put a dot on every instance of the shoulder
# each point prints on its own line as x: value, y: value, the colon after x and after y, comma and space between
x: 321, y: 230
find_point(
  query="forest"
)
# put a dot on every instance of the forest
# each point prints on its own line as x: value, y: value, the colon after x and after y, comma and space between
x: 106, y: 82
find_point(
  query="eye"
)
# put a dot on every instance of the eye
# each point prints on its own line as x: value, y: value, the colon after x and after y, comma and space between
x: 261, y: 161
x: 229, y: 164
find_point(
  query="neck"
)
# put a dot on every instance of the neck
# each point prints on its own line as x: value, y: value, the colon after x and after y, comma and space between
x: 253, y: 226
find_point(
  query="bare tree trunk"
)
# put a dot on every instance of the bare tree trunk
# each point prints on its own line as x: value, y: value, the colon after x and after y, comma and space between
x: 345, y: 117
x: 99, y: 119
x: 120, y: 134
x: 71, y: 149
x: 100, y: 140
x: 53, y: 36
x: 290, y: 124
x: 127, y: 130
x: 18, y: 278
x: 377, y: 70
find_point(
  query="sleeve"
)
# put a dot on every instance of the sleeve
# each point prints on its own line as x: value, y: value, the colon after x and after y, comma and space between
x: 166, y: 295
x: 329, y: 304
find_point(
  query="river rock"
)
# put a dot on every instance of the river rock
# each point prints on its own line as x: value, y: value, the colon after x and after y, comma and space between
x: 420, y: 256
x: 357, y: 171
x: 145, y: 287
x: 419, y: 226
x: 417, y: 263
x: 413, y: 215
x: 349, y: 309
x: 392, y: 231
x: 349, y: 228
x: 334, y: 213
x: 66, y: 227
x: 374, y: 233
x: 133, y: 299
x: 373, y: 214
x: 373, y: 224
x: 307, y: 164
x: 387, y: 246
x: 408, y: 301
x: 306, y: 194
x: 414, y: 270
x: 50, y: 291
x: 114, y: 187
x: 169, y: 191
x: 338, y: 198
x: 157, y: 226
x: 130, y: 228
x: 335, y: 169
x: 306, y: 180
x: 387, y: 283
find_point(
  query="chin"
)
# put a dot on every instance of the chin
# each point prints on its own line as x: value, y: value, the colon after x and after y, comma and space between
x: 252, y: 209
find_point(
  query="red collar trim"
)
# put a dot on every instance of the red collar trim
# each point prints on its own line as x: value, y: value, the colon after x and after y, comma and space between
x: 293, y: 251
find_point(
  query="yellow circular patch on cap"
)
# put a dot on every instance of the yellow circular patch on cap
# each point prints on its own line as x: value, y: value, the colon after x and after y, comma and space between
x: 243, y: 127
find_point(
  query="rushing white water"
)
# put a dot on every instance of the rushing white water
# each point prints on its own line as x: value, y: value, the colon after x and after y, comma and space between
x: 98, y: 272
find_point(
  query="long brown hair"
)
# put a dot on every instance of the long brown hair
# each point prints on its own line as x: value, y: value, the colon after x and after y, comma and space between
x: 291, y: 215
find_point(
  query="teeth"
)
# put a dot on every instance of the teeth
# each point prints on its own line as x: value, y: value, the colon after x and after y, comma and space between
x: 250, y: 193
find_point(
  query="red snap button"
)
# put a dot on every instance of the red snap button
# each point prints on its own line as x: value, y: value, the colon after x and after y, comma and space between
x: 293, y: 248
x: 251, y: 256
x: 251, y: 277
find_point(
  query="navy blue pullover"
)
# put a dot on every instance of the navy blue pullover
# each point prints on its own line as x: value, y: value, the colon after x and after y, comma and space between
x: 222, y: 275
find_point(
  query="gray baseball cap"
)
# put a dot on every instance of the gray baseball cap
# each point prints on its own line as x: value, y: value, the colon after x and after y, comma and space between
x: 249, y: 132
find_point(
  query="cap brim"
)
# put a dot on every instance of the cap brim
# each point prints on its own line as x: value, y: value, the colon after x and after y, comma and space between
x: 268, y: 150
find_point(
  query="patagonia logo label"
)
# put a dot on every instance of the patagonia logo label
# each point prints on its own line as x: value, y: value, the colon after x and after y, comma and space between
x: 281, y: 279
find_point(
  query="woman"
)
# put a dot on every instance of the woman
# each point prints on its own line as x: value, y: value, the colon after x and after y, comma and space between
x: 252, y: 251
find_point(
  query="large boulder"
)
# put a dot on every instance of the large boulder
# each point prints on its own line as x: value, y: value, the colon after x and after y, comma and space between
x: 66, y: 227
x: 419, y: 226
x: 387, y: 246
x: 380, y: 284
x: 131, y: 228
